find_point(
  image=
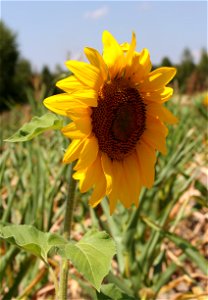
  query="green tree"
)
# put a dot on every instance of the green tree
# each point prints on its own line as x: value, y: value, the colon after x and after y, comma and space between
x: 202, y: 69
x: 166, y: 62
x: 203, y: 62
x: 8, y: 60
x: 22, y: 79
x: 16, y: 72
x: 47, y: 76
x: 185, y: 69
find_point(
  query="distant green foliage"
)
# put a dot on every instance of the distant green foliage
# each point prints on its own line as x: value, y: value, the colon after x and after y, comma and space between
x: 185, y: 69
x: 47, y: 78
x: 22, y: 79
x: 15, y: 72
x: 9, y: 56
x: 166, y: 62
x: 202, y: 70
x: 190, y: 77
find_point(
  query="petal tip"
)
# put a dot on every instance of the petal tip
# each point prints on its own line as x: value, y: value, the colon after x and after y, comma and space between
x: 174, y: 70
x: 175, y: 120
x: 46, y: 102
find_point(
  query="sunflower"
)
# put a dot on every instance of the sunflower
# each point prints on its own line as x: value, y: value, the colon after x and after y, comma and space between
x: 116, y: 107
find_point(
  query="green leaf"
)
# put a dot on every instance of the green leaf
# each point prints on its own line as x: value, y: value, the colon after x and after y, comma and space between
x: 91, y: 256
x: 111, y: 291
x: 35, y: 127
x: 31, y: 239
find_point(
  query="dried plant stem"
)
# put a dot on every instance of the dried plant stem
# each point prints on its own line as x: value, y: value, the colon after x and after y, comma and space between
x: 36, y: 280
x: 67, y: 233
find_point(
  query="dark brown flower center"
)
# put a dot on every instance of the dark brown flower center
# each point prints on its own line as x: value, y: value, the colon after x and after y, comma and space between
x: 119, y: 119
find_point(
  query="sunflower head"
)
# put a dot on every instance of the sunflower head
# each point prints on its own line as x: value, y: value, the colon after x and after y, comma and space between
x: 115, y: 104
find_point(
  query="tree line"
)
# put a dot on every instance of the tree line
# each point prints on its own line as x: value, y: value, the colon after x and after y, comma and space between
x: 17, y: 76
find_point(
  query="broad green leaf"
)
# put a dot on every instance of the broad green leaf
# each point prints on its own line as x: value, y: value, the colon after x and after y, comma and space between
x: 31, y: 239
x: 35, y: 127
x: 190, y: 251
x: 91, y: 256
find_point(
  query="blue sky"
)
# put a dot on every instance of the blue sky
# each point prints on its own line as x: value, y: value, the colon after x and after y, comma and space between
x: 51, y: 31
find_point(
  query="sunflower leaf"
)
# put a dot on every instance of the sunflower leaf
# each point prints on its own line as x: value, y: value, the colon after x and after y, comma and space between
x: 35, y: 127
x: 30, y: 239
x: 91, y: 256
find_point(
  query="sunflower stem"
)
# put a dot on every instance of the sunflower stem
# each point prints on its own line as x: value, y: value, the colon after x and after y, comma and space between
x: 68, y: 218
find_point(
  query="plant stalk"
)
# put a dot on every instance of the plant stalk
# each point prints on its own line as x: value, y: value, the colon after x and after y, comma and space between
x: 66, y: 234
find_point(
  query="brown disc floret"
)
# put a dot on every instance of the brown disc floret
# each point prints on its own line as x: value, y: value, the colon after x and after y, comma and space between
x: 119, y: 119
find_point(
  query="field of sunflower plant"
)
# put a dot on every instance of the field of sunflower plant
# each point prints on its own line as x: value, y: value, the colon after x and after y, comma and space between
x: 53, y: 244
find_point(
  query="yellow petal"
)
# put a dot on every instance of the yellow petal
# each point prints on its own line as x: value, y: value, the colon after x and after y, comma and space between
x: 125, y: 194
x: 140, y: 67
x: 86, y: 96
x: 156, y: 109
x: 112, y: 54
x: 99, y: 191
x: 88, y: 154
x: 70, y: 84
x: 83, y: 124
x: 82, y: 119
x: 119, y: 189
x: 73, y: 151
x: 116, y: 185
x: 79, y: 112
x: 157, y: 79
x: 160, y: 96
x: 107, y: 168
x: 130, y: 52
x: 71, y: 131
x: 89, y: 176
x: 147, y: 158
x: 125, y: 47
x: 112, y: 203
x: 96, y: 60
x: 133, y: 180
x: 117, y: 174
x: 167, y: 116
x: 144, y: 60
x: 155, y: 134
x: 88, y: 74
x: 61, y: 103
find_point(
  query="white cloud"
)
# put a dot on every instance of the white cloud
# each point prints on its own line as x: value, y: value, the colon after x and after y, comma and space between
x: 97, y: 13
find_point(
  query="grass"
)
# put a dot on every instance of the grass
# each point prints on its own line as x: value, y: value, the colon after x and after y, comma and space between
x: 160, y: 246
